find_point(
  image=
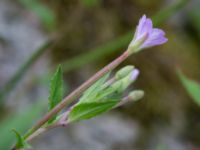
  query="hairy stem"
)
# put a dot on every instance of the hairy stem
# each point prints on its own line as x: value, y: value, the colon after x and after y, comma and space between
x: 42, y: 130
x: 77, y: 93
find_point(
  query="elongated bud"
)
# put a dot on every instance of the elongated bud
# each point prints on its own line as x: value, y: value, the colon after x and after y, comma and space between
x: 133, y: 96
x: 136, y: 95
x: 123, y: 83
x: 124, y: 72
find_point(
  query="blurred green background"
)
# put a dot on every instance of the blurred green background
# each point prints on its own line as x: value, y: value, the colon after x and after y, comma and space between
x: 83, y: 36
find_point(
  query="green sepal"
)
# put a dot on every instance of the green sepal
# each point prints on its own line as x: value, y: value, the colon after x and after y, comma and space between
x: 124, y: 72
x: 135, y: 46
x: 122, y: 84
x: 95, y: 89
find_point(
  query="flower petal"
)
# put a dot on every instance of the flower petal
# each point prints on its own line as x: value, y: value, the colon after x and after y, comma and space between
x: 147, y: 27
x: 155, y: 38
x: 140, y: 25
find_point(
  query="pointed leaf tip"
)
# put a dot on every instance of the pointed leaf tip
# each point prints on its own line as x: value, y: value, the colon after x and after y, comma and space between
x: 56, y: 90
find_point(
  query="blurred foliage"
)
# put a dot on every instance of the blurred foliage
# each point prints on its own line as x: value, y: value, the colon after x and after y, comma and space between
x: 90, y: 3
x: 169, y: 11
x: 97, y: 53
x: 20, y: 121
x: 192, y: 87
x: 161, y: 147
x: 195, y: 21
x: 45, y: 14
x: 19, y: 74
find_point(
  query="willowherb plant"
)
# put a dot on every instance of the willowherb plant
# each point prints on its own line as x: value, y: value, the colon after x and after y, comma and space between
x: 99, y: 93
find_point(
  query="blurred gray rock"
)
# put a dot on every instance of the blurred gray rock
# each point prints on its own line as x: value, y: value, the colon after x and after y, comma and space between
x: 20, y: 36
x: 106, y: 132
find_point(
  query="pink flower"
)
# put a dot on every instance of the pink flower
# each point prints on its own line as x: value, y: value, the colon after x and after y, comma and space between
x: 147, y: 36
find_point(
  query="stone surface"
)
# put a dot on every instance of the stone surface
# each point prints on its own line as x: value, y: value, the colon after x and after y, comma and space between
x: 106, y: 132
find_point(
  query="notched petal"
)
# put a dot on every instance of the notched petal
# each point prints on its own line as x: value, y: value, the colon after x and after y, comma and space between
x: 154, y: 36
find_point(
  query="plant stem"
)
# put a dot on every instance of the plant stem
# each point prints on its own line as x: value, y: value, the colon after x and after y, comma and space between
x: 77, y: 93
x: 42, y: 130
x: 123, y: 101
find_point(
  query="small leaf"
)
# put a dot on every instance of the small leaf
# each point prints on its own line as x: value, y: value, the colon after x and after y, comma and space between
x: 56, y: 90
x: 192, y: 87
x: 88, y: 110
x: 21, y: 143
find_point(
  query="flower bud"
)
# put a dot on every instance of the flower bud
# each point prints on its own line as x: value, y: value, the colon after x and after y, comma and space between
x: 134, y: 74
x: 122, y: 84
x: 124, y: 72
x: 136, y: 95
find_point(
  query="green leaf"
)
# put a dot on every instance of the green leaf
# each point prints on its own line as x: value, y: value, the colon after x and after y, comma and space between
x: 21, y: 143
x: 88, y: 110
x: 56, y: 90
x: 192, y: 87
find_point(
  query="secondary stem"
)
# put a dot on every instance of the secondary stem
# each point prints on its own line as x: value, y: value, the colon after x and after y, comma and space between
x: 42, y: 130
x: 77, y: 93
